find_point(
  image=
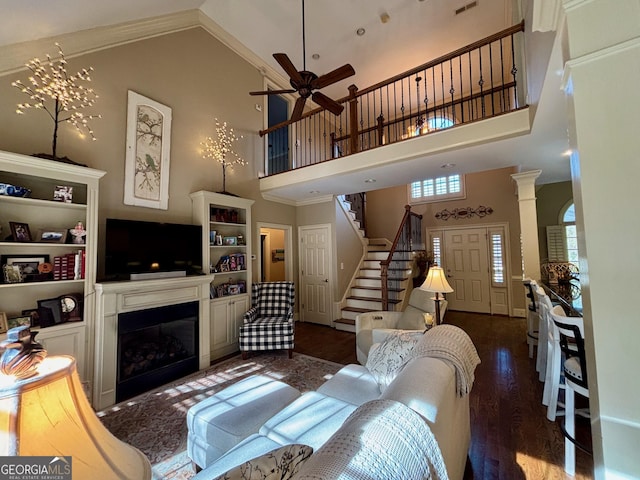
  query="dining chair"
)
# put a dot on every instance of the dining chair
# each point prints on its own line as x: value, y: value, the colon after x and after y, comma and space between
x: 554, y: 371
x: 532, y: 315
x: 541, y: 355
x: 571, y: 339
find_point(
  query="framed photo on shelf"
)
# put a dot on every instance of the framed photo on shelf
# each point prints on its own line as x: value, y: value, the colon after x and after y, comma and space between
x: 63, y: 193
x: 231, y: 240
x: 29, y: 263
x: 4, y: 326
x: 18, y: 322
x: 52, y: 235
x: 33, y: 313
x: 20, y: 231
x: 20, y: 268
x: 12, y: 274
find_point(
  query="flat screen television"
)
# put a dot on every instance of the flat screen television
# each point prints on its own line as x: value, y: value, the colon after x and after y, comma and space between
x: 137, y: 247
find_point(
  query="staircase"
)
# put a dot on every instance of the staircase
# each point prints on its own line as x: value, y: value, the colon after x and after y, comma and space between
x: 365, y: 292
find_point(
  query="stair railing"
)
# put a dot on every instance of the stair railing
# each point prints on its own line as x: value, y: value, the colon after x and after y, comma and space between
x: 357, y: 202
x: 407, y: 240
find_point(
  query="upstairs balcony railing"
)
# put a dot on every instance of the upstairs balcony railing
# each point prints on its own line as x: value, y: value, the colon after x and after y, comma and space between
x: 475, y: 82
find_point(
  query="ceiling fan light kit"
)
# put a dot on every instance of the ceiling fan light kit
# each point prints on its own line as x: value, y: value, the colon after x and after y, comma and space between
x: 305, y: 82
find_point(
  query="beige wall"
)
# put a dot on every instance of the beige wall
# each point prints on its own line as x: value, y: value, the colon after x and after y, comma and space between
x: 550, y: 200
x: 349, y: 251
x: 274, y: 271
x: 493, y: 188
x: 172, y: 70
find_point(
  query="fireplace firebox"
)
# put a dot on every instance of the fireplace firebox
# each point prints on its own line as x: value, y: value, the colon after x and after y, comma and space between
x: 155, y: 346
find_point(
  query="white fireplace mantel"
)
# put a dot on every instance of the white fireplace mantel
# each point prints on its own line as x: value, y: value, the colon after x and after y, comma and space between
x: 114, y: 298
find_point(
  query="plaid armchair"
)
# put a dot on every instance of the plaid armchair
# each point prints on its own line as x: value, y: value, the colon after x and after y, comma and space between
x: 268, y: 325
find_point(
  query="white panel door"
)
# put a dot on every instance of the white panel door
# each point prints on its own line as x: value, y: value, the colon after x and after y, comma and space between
x: 315, y: 274
x: 467, y: 265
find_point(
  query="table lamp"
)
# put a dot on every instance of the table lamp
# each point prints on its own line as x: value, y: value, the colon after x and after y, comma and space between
x: 436, y: 282
x: 44, y: 412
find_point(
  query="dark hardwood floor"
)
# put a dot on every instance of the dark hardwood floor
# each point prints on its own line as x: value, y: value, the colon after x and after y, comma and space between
x: 511, y: 437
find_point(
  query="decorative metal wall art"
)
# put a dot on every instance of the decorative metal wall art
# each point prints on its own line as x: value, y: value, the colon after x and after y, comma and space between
x: 465, y: 212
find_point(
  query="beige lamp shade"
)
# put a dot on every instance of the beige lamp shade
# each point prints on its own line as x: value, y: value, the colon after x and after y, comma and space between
x: 49, y: 415
x: 436, y: 281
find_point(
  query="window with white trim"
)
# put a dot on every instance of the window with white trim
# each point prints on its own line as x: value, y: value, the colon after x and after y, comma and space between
x: 562, y: 240
x: 497, y: 259
x: 436, y: 244
x: 437, y: 189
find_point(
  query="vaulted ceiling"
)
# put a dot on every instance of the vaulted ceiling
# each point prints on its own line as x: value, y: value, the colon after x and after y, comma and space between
x: 397, y: 35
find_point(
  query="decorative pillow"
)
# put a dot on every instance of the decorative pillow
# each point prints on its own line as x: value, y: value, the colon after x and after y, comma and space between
x: 279, y: 464
x: 388, y: 357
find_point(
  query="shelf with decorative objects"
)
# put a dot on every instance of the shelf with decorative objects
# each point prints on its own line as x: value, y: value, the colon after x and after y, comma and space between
x: 226, y: 222
x: 48, y: 250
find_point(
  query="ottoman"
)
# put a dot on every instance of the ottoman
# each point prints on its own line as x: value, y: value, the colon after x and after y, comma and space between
x: 217, y: 424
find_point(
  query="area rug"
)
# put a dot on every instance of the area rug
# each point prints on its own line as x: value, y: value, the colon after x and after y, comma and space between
x: 155, y: 422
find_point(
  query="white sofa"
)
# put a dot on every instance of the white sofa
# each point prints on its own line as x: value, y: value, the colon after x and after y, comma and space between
x: 428, y: 386
x: 373, y: 327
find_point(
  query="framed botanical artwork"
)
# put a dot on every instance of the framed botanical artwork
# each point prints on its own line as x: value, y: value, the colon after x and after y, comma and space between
x: 20, y: 232
x: 52, y: 235
x: 146, y: 176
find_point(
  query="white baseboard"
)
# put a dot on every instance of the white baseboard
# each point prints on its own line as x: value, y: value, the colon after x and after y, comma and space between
x: 519, y: 312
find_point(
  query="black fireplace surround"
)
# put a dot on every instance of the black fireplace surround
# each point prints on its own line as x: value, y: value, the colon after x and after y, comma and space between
x: 156, y: 346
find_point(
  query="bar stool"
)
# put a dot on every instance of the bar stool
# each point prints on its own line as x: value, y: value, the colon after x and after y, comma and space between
x: 541, y: 356
x: 571, y: 338
x: 554, y: 371
x: 532, y: 315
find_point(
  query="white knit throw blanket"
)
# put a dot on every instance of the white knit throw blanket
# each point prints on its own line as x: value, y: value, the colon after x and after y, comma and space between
x: 452, y: 344
x: 381, y: 440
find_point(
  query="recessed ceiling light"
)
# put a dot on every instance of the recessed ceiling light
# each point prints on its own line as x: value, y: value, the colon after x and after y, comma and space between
x: 360, y: 32
x: 448, y: 165
x: 315, y: 56
x: 370, y: 180
x: 313, y: 192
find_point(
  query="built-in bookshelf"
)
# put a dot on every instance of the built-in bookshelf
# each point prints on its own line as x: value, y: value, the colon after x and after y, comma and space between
x: 53, y: 224
x: 226, y: 230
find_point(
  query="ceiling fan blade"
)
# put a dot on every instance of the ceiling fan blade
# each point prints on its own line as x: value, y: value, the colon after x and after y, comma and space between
x: 334, y: 76
x: 297, y: 110
x: 271, y: 92
x: 288, y: 67
x: 326, y: 102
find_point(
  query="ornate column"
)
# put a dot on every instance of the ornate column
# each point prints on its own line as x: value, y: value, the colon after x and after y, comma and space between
x: 526, y: 183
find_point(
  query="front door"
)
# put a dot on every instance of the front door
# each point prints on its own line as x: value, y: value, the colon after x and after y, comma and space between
x: 467, y: 267
x: 315, y: 272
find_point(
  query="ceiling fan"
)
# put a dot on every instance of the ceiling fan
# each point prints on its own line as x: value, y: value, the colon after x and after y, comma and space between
x: 304, y: 81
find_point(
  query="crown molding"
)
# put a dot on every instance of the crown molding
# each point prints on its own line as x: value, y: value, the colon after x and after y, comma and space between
x: 241, y: 50
x: 14, y: 56
x: 546, y: 15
